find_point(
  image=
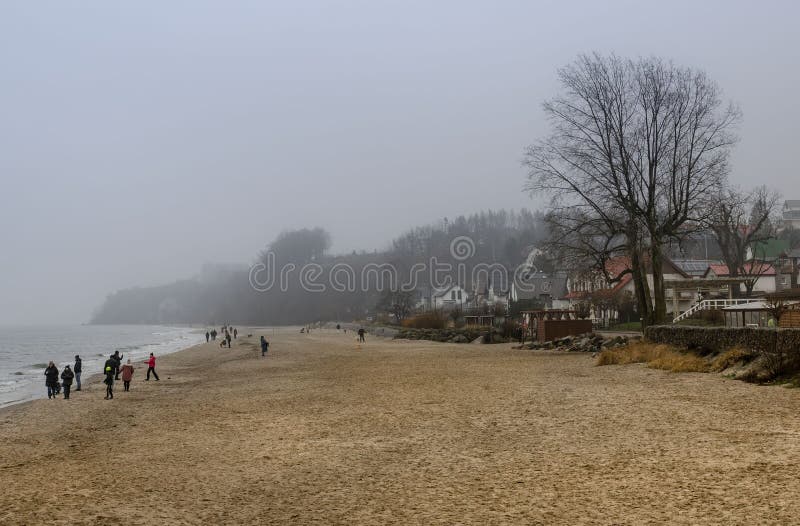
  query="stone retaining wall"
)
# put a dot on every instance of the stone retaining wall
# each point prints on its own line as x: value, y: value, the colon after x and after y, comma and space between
x: 722, y: 338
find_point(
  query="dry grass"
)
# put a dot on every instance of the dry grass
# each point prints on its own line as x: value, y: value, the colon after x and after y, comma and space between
x: 731, y: 357
x: 657, y: 356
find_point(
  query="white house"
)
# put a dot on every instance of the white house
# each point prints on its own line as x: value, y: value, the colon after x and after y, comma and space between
x: 488, y: 292
x: 449, y: 297
x: 585, y: 284
x: 762, y: 273
x: 791, y: 213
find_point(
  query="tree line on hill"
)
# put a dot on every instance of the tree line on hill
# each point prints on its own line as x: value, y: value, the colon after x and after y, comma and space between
x: 222, y: 295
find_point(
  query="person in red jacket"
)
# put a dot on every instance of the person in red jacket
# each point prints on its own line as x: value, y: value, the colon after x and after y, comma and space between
x: 151, y: 367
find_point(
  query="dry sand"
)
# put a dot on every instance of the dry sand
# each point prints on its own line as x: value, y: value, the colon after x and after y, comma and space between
x: 324, y: 431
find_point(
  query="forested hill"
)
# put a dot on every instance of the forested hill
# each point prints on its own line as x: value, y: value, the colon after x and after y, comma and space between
x: 226, y: 295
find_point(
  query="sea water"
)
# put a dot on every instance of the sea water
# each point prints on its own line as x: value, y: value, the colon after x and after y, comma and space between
x: 25, y: 351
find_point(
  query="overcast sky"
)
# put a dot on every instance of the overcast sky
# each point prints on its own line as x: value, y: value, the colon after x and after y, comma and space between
x: 139, y: 140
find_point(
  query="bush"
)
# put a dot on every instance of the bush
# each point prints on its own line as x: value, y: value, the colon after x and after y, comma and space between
x: 779, y: 349
x: 731, y: 357
x: 656, y: 356
x: 427, y: 320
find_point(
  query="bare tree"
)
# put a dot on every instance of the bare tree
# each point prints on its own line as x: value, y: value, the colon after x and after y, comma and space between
x: 739, y: 220
x: 636, y: 146
x: 399, y: 302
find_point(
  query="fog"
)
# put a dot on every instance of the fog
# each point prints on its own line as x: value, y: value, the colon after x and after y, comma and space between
x: 140, y: 140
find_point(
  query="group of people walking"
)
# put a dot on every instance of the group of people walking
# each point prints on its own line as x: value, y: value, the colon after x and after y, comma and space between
x: 225, y: 332
x: 112, y: 370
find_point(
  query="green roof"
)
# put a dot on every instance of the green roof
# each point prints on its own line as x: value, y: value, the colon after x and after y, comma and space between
x: 770, y: 248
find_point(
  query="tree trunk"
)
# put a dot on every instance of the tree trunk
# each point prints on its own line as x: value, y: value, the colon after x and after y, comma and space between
x: 656, y: 262
x: 641, y: 288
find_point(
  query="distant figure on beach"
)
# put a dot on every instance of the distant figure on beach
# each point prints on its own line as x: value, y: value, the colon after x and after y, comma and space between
x: 208, y: 336
x: 213, y: 334
x: 117, y: 363
x: 302, y: 330
x: 151, y: 367
x: 361, y: 336
x: 228, y: 338
x: 338, y: 327
x: 264, y: 346
x: 77, y: 371
x: 235, y: 333
x: 109, y: 381
x: 51, y: 380
x: 66, y: 380
x: 127, y: 375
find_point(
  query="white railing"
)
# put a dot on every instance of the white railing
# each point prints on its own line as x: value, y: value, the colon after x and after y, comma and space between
x: 712, y: 305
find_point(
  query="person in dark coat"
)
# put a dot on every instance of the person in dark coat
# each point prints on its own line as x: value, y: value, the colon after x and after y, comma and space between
x: 66, y: 380
x: 208, y: 336
x: 77, y: 370
x: 109, y: 381
x: 110, y: 362
x: 117, y: 357
x: 228, y: 339
x: 51, y: 380
x: 264, y: 346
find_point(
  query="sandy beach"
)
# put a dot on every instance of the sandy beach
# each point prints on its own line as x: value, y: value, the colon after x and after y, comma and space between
x: 325, y: 431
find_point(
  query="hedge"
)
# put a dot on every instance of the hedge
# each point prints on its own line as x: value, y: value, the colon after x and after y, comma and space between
x: 718, y: 339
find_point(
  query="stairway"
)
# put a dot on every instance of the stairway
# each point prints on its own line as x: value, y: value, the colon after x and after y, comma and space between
x: 712, y: 305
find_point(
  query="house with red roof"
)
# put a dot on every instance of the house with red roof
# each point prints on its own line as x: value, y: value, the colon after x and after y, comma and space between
x: 763, y: 275
x: 603, y: 290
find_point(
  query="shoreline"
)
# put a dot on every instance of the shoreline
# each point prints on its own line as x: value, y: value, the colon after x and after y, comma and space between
x: 33, y: 386
x: 92, y: 380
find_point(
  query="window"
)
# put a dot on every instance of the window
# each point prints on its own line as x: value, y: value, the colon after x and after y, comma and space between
x: 459, y: 294
x: 453, y: 295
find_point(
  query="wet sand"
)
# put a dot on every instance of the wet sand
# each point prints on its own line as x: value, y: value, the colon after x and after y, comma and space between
x: 325, y: 431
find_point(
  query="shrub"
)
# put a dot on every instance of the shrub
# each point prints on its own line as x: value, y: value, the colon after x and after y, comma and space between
x: 731, y: 357
x: 778, y: 349
x: 779, y: 360
x: 679, y: 362
x: 656, y: 356
x: 427, y: 320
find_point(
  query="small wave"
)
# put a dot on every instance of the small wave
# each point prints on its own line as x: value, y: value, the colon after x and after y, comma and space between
x: 38, y: 366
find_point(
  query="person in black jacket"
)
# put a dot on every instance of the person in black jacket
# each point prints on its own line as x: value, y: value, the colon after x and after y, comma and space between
x: 110, y: 362
x: 51, y: 380
x: 77, y: 371
x: 109, y: 381
x: 66, y: 380
x: 117, y: 357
